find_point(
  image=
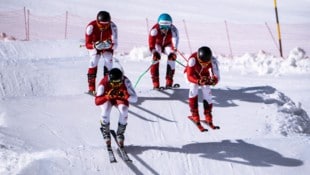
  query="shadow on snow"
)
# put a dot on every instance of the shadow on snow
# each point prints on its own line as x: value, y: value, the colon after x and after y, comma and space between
x: 237, y: 151
x: 221, y: 98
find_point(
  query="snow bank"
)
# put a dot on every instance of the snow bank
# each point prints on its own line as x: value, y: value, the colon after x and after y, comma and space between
x: 14, y: 162
x: 289, y: 118
x: 264, y: 63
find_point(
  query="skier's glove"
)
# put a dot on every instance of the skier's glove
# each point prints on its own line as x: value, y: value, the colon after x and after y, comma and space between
x: 122, y: 95
x: 103, y: 45
x: 202, y: 81
x: 107, y: 44
x: 119, y: 95
x: 214, y: 80
x: 99, y: 45
x: 156, y: 56
x: 172, y: 56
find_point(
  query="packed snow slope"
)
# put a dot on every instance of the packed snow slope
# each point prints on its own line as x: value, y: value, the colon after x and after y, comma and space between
x: 262, y: 102
x: 49, y: 126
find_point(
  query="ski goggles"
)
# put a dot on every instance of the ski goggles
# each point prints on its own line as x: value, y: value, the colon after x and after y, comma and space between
x: 116, y: 83
x: 204, y: 63
x: 103, y: 25
x: 164, y: 27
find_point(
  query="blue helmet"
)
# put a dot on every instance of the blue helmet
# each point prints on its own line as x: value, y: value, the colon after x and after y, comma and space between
x: 164, y: 20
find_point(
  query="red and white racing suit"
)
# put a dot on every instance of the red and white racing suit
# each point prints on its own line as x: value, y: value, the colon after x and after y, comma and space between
x: 196, y: 72
x: 92, y: 35
x: 108, y: 96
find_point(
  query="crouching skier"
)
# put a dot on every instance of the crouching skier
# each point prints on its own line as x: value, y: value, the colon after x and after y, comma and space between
x: 202, y: 71
x: 115, y: 89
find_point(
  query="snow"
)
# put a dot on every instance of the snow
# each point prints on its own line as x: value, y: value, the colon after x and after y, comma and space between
x: 262, y: 103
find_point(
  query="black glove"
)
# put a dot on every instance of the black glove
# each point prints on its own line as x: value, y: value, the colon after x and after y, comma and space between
x: 172, y: 56
x: 156, y: 56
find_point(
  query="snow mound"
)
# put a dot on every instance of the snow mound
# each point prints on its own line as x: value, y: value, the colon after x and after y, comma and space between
x: 264, y: 63
x: 290, y: 118
x: 14, y: 162
x: 139, y: 53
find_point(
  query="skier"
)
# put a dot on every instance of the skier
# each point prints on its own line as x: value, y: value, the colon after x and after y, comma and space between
x: 115, y: 89
x: 163, y: 38
x: 101, y: 41
x: 202, y: 71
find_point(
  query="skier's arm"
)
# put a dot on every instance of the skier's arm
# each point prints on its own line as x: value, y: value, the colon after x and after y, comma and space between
x: 114, y: 36
x: 89, y: 43
x: 152, y: 39
x: 215, y: 70
x: 190, y: 71
x: 175, y: 37
x: 133, y: 98
x: 100, y: 96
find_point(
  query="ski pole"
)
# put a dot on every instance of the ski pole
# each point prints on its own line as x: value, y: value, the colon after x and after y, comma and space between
x: 182, y: 56
x: 180, y: 63
x: 143, y: 73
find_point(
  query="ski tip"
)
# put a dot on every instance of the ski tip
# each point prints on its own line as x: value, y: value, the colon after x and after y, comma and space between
x: 212, y: 127
x: 91, y: 93
x: 176, y: 85
x: 204, y: 130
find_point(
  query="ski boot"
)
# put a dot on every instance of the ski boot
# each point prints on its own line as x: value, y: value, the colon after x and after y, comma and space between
x: 91, y: 76
x: 170, y: 71
x: 105, y: 130
x: 208, y: 115
x: 120, y: 134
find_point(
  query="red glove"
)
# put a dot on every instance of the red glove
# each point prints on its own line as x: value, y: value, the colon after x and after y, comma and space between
x: 208, y: 81
x: 214, y: 80
x: 122, y: 95
x: 203, y: 81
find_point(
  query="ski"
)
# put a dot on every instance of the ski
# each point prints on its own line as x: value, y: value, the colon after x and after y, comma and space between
x: 120, y: 149
x: 198, y: 125
x: 175, y: 86
x: 111, y: 155
x: 211, y: 126
x: 110, y: 151
x: 91, y: 93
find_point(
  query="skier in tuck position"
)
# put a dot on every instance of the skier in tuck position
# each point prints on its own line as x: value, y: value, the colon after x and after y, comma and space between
x: 115, y: 89
x: 202, y: 71
x: 163, y: 38
x: 100, y: 41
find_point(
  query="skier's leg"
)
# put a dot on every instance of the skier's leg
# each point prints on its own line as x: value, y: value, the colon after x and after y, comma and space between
x: 154, y: 70
x: 122, y: 123
x: 92, y: 71
x: 170, y: 69
x: 91, y: 76
x: 207, y: 104
x: 105, y: 125
x: 193, y: 101
x: 108, y: 62
x: 155, y: 75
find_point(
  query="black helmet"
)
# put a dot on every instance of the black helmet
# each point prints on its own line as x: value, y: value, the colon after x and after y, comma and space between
x: 115, y: 75
x: 204, y: 54
x: 103, y: 16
